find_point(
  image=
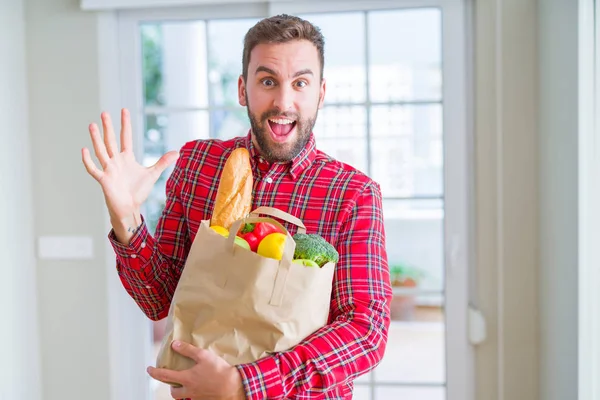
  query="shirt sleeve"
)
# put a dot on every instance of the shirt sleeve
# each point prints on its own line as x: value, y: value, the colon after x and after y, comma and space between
x: 149, y: 267
x: 355, y: 340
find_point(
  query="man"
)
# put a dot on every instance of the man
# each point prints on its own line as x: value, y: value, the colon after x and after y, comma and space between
x: 282, y: 87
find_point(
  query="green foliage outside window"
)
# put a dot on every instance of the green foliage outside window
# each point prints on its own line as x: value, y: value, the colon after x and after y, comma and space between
x: 151, y: 36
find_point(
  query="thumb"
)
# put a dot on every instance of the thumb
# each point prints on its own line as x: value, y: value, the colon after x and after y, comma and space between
x: 162, y: 164
x: 186, y: 349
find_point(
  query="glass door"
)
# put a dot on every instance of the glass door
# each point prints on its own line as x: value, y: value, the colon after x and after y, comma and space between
x: 395, y: 108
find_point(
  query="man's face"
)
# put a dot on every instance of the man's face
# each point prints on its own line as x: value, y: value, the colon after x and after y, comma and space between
x: 283, y: 93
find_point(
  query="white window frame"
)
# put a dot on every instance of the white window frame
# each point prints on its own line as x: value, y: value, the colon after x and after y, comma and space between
x: 121, y: 86
x: 589, y: 198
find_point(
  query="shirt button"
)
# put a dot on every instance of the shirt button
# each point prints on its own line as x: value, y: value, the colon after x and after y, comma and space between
x: 269, y: 180
x: 143, y: 245
x: 133, y: 256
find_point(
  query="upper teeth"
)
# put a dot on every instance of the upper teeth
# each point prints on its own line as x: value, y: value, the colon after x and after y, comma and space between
x: 281, y: 121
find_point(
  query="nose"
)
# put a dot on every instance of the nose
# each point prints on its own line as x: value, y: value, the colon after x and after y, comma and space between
x: 284, y: 98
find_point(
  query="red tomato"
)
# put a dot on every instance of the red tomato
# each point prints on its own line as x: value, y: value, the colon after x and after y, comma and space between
x: 255, y: 232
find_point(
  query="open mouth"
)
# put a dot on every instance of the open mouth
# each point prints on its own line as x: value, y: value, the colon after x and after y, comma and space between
x: 281, y: 128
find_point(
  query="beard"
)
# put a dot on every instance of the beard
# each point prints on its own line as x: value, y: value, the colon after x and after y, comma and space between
x: 280, y: 152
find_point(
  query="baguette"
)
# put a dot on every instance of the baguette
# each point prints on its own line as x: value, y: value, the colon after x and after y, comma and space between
x: 234, y: 195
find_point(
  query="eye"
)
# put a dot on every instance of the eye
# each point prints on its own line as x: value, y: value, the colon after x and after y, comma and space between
x: 268, y: 82
x: 301, y: 84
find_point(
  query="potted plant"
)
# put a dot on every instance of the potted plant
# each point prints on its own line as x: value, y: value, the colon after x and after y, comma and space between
x: 406, y: 277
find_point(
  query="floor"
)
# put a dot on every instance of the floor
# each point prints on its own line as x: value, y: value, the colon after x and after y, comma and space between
x: 415, y: 354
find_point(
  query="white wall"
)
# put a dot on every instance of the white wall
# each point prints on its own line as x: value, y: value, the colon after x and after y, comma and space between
x: 63, y: 78
x: 558, y: 44
x: 507, y: 198
x: 526, y: 152
x: 19, y: 349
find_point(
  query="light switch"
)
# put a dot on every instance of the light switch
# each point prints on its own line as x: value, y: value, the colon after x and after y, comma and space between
x: 65, y: 248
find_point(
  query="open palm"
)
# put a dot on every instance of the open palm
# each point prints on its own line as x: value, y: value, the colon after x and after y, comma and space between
x: 125, y: 183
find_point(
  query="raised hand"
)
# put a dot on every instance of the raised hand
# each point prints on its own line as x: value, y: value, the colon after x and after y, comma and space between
x: 125, y: 183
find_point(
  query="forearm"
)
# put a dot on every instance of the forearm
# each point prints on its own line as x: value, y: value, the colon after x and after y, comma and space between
x: 147, y: 273
x: 150, y: 266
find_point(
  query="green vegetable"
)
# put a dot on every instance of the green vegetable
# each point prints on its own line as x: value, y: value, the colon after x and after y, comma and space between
x: 306, y: 263
x: 314, y: 247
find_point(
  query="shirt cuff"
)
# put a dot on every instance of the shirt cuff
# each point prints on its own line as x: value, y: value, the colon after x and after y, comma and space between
x: 139, y: 250
x: 262, y: 379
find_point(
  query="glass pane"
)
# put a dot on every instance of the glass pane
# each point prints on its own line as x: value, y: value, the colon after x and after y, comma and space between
x: 407, y: 149
x: 341, y: 133
x: 361, y: 392
x: 410, y: 393
x: 365, y: 379
x: 405, y: 55
x: 174, y: 64
x: 226, y: 44
x: 415, y: 351
x: 152, y: 63
x: 345, y: 70
x: 154, y: 135
x: 341, y: 122
x: 415, y: 247
x: 164, y: 133
x: 229, y: 123
x: 350, y: 151
x: 411, y: 208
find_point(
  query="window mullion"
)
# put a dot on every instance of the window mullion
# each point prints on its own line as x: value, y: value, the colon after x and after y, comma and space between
x: 368, y: 95
x: 178, y: 108
x: 372, y: 379
x: 208, y: 88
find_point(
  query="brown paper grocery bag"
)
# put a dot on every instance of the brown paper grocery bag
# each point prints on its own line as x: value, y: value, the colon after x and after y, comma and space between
x: 241, y: 305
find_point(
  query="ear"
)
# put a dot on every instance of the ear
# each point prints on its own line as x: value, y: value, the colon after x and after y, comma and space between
x: 242, y: 91
x: 322, y: 93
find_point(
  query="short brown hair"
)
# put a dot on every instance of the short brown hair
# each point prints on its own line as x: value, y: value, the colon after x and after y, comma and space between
x: 282, y: 29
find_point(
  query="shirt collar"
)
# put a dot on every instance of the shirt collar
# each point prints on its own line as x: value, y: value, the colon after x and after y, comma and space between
x: 297, y: 165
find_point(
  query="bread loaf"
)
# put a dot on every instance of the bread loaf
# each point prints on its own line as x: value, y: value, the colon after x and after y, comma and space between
x: 234, y: 195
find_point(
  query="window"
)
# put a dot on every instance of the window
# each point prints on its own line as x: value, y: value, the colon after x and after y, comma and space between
x: 391, y: 128
x: 190, y: 73
x: 390, y: 111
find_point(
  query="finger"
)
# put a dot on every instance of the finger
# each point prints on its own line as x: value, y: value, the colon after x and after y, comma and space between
x: 187, y: 350
x: 166, y: 375
x: 99, y: 147
x: 179, y: 392
x: 109, y: 135
x: 89, y: 165
x: 163, y: 163
x: 126, y: 141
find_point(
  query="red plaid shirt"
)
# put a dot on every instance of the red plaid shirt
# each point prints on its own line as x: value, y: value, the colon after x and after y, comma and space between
x: 332, y: 199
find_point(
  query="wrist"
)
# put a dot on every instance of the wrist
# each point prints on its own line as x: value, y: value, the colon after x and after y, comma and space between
x: 125, y: 228
x: 238, y: 391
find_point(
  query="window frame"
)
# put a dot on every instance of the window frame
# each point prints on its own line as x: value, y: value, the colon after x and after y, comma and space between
x: 589, y: 198
x: 121, y: 86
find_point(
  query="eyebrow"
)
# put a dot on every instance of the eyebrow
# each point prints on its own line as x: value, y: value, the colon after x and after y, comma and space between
x: 262, y: 68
